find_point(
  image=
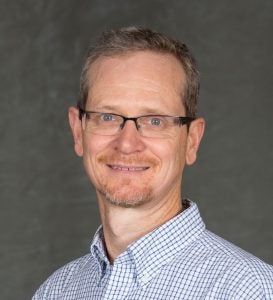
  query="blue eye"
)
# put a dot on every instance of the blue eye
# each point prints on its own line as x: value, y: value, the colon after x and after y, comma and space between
x: 107, y: 117
x: 156, y: 121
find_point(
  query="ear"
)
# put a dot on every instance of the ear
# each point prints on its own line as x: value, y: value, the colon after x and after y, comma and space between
x: 195, y: 134
x: 76, y: 128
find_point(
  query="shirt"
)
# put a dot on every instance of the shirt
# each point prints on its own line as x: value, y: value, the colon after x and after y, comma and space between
x: 179, y: 260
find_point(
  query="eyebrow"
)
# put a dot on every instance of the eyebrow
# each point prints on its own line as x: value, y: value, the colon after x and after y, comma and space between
x: 144, y: 110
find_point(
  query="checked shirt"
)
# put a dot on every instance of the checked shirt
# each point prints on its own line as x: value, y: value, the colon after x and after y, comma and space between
x: 179, y: 260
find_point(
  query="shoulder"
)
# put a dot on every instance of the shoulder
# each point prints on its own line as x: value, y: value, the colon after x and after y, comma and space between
x: 60, y: 279
x: 238, y: 268
x: 220, y: 270
x: 232, y: 253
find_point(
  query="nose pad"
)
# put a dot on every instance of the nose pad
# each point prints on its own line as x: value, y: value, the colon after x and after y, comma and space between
x: 129, y: 119
x: 129, y: 140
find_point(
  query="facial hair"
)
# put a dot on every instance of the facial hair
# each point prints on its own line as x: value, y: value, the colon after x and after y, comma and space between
x: 126, y: 192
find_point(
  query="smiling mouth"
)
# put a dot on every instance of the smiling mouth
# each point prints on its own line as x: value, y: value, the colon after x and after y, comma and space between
x: 128, y: 168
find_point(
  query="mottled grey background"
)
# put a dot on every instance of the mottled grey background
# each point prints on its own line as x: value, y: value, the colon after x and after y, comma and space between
x: 48, y: 209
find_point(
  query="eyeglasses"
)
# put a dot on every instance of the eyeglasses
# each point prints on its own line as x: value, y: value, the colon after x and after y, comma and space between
x: 152, y: 126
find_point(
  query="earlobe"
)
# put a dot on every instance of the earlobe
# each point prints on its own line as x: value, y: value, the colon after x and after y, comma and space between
x: 76, y: 128
x: 195, y: 135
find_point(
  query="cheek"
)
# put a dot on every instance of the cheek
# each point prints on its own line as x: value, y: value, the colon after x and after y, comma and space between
x: 92, y: 146
x: 170, y: 153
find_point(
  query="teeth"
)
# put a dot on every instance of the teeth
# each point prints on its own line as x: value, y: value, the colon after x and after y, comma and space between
x: 128, y: 168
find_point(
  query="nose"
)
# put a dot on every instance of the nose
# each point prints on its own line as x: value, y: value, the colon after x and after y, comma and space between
x: 129, y: 139
x: 129, y: 119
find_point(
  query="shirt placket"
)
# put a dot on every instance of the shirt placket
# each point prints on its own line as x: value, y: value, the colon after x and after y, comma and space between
x: 120, y: 282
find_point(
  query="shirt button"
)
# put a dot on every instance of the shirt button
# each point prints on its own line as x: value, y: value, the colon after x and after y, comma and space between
x: 145, y: 278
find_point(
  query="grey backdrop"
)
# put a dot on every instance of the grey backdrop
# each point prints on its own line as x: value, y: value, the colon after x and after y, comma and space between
x: 48, y: 208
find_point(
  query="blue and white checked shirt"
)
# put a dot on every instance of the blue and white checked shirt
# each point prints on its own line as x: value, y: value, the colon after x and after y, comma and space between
x: 178, y: 260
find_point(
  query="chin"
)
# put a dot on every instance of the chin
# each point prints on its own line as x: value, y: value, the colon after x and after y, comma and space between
x: 125, y: 192
x: 127, y: 197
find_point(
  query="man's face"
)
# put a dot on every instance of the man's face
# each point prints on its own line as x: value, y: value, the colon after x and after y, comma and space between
x: 128, y: 169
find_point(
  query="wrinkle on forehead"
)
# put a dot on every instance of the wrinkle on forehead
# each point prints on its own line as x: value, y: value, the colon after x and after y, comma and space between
x: 138, y: 71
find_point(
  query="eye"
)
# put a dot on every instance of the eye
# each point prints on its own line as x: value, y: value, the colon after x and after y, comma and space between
x: 107, y: 117
x: 155, y: 121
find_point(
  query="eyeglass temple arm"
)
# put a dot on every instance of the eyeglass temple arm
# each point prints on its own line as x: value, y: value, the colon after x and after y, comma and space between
x: 81, y: 112
x: 186, y: 120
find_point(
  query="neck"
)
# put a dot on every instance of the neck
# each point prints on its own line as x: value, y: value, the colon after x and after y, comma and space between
x: 122, y: 226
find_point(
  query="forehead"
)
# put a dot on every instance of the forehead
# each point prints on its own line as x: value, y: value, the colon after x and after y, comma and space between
x: 137, y: 77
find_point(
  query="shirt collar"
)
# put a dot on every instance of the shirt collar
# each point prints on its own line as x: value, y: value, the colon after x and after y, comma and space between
x: 99, y: 254
x: 151, y: 252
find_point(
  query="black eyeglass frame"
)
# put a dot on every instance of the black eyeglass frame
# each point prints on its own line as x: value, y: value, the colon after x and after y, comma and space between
x: 182, y: 120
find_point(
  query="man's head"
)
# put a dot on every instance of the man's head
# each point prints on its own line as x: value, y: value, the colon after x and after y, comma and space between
x: 132, y: 166
x: 133, y: 39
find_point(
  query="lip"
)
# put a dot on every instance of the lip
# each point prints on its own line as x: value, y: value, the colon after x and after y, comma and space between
x: 127, y: 168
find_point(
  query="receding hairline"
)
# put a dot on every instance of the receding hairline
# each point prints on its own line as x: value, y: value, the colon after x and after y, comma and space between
x: 133, y: 39
x: 131, y: 52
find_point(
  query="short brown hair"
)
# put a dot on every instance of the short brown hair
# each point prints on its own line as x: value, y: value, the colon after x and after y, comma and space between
x: 126, y: 40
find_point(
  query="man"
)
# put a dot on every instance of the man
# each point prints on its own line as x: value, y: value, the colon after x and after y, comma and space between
x: 136, y: 127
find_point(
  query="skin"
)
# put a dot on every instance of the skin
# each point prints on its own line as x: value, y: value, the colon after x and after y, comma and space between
x: 134, y: 202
